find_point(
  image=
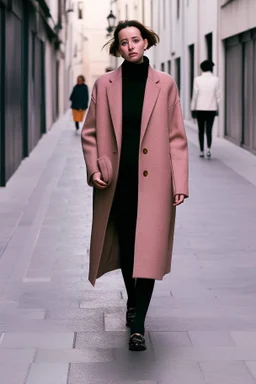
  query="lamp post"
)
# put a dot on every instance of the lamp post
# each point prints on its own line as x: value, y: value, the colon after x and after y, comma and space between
x: 111, y: 22
x: 111, y: 18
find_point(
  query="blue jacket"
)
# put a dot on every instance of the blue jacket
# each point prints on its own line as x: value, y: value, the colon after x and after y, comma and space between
x: 79, y: 97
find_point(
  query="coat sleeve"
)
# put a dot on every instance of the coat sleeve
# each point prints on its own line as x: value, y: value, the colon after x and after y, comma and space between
x: 89, y: 139
x: 178, y: 148
x: 72, y: 94
x: 218, y: 97
x: 195, y: 95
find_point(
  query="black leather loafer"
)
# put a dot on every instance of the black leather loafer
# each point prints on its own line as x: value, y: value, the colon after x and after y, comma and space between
x: 137, y: 343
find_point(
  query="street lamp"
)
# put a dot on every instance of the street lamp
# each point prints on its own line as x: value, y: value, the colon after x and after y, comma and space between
x: 111, y: 21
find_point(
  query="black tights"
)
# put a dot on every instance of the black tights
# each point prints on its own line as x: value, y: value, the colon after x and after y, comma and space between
x: 139, y: 291
x: 205, y: 118
x: 77, y: 124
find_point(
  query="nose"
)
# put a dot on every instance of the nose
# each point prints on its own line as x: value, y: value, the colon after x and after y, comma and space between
x: 130, y: 46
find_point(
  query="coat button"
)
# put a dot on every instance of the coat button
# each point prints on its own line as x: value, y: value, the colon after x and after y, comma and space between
x: 145, y: 151
x: 145, y: 173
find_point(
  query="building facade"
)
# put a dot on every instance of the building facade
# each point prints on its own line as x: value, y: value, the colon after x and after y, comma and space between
x: 87, y: 23
x: 76, y: 45
x: 238, y: 39
x: 95, y: 29
x: 31, y: 67
x: 223, y: 31
x: 188, y: 32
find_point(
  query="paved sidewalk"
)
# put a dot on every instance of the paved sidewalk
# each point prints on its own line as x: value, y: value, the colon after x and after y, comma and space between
x: 56, y: 329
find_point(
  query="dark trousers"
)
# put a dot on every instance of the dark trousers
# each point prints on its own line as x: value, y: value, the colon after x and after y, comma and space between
x: 139, y: 291
x: 205, y: 120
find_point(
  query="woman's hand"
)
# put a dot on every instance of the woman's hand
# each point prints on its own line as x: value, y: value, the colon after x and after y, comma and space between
x: 97, y: 182
x: 178, y: 199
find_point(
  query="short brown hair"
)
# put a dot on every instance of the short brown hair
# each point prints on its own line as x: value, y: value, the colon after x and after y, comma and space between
x: 146, y: 33
x: 81, y: 77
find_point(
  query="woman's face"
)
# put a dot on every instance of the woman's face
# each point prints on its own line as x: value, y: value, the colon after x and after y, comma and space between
x: 80, y: 80
x: 132, y: 45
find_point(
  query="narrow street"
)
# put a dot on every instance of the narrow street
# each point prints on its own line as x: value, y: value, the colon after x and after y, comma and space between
x: 57, y: 329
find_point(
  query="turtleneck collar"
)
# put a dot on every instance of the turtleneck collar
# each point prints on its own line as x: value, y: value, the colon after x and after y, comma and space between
x: 134, y: 70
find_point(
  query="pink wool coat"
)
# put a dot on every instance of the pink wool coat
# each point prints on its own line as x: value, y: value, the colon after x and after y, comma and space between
x: 163, y: 172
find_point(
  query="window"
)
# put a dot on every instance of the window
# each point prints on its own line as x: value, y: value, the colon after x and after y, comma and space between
x: 80, y: 10
x: 191, y: 52
x: 178, y: 9
x: 177, y: 72
x: 75, y: 51
x: 169, y: 66
x: 2, y: 105
x: 208, y: 42
x: 162, y: 67
x: 59, y: 12
x: 70, y: 7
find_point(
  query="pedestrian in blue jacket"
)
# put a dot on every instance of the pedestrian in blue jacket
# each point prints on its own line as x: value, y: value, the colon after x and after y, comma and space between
x: 79, y: 100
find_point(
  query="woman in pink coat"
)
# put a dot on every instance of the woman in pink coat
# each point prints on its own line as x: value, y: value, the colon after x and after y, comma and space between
x: 135, y: 149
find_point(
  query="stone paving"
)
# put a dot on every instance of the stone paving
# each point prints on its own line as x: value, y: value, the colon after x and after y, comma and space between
x: 56, y: 329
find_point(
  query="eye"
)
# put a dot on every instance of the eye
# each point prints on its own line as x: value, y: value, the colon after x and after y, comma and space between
x: 136, y: 40
x: 123, y: 43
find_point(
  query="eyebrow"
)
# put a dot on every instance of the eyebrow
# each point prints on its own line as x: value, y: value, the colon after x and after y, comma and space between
x: 134, y: 37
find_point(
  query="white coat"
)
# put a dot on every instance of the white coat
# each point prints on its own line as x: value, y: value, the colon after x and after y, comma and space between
x: 206, y: 93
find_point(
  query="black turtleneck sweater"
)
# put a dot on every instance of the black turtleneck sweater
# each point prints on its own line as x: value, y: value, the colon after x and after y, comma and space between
x: 134, y: 77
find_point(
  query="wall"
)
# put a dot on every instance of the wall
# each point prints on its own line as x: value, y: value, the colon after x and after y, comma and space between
x: 237, y: 16
x: 31, y: 63
x: 178, y: 28
x: 86, y: 37
x: 238, y: 29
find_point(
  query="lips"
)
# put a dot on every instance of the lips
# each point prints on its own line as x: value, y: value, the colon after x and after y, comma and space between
x: 132, y: 54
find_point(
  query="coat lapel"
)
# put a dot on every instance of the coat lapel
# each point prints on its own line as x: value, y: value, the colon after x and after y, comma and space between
x: 151, y: 94
x: 114, y: 94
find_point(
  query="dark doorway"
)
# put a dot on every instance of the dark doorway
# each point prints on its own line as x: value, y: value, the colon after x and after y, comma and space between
x: 240, y: 94
x: 57, y: 86
x: 13, y: 94
x: 254, y: 95
x: 43, y: 106
x: 169, y: 65
x: 2, y: 78
x: 247, y: 91
x: 191, y: 50
x: 25, y: 79
x: 208, y: 41
x: 233, y: 97
x: 177, y: 72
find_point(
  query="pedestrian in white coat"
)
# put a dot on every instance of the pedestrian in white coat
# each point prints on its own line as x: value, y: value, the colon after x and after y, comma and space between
x: 205, y: 103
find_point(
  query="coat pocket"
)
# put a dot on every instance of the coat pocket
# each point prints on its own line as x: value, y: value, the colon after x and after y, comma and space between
x: 106, y: 169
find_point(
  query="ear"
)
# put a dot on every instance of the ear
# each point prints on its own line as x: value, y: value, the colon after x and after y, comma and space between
x: 145, y: 44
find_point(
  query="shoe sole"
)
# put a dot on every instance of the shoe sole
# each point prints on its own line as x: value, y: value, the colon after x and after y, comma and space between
x: 135, y: 348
